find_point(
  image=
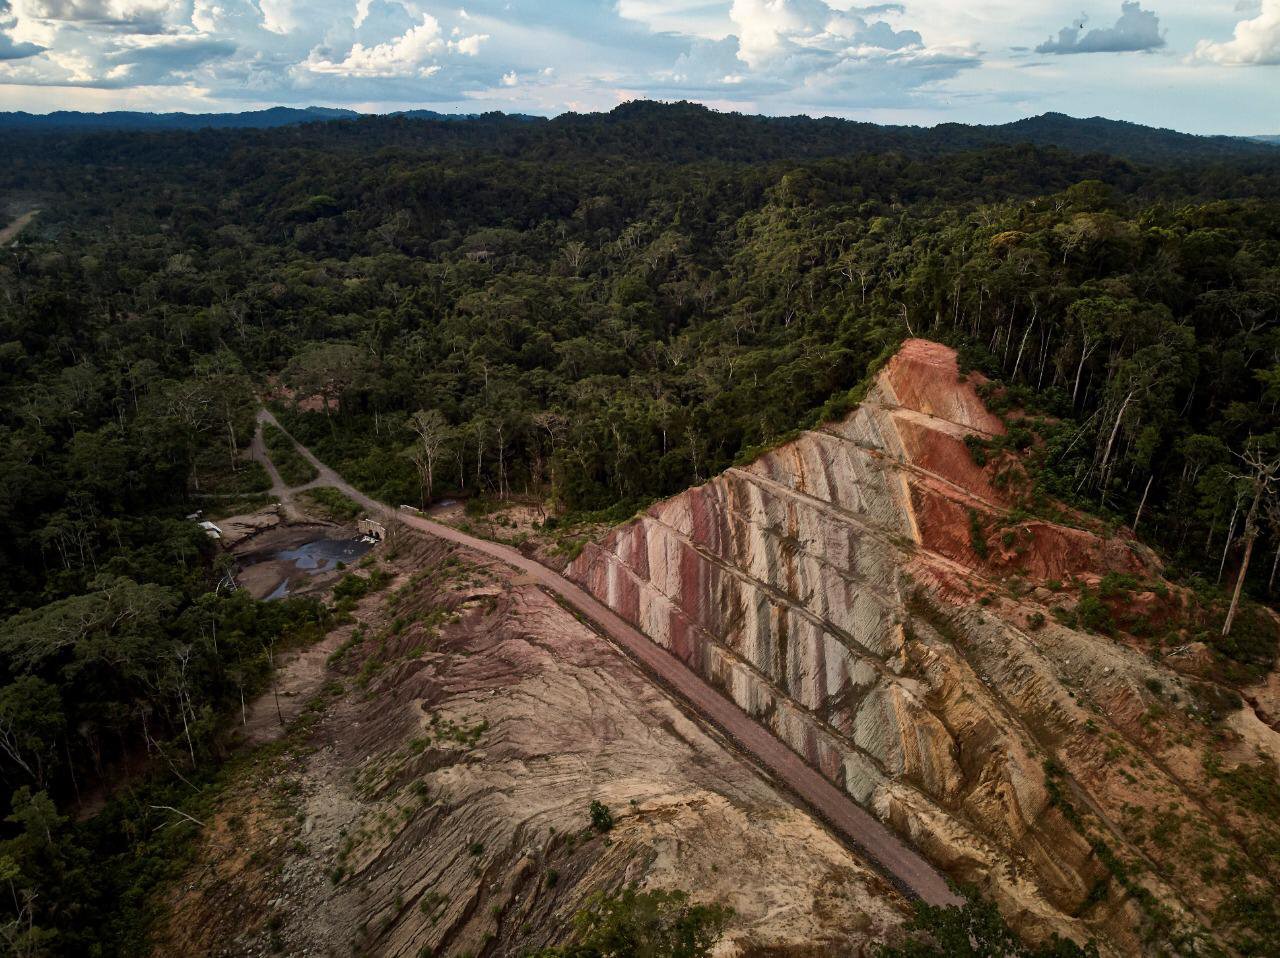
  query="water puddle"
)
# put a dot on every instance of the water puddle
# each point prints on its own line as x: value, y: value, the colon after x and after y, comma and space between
x: 323, y: 555
x: 313, y: 558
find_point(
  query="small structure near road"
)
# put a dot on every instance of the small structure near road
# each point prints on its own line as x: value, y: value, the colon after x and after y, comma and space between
x: 372, y: 529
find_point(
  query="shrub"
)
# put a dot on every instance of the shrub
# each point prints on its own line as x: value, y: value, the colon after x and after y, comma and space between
x: 601, y: 817
x: 975, y: 931
x: 978, y: 535
x: 1093, y: 614
x: 978, y: 448
x: 354, y: 586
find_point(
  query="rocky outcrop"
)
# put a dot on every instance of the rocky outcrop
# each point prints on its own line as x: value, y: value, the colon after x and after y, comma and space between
x: 849, y: 590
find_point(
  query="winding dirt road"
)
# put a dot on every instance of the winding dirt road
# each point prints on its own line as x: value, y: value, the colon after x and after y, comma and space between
x: 902, y: 865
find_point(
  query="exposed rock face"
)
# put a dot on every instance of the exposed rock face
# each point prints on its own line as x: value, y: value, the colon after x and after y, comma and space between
x: 440, y: 805
x: 832, y: 588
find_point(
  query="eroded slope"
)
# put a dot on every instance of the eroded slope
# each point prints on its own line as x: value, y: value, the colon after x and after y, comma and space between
x: 865, y: 592
x: 439, y: 802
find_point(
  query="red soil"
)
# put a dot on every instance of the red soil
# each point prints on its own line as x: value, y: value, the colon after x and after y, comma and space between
x: 936, y: 409
x: 925, y: 376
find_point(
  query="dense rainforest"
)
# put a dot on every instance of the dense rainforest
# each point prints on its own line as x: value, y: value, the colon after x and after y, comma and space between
x: 591, y: 312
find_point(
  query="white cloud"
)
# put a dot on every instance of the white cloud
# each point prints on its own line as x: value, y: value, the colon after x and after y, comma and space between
x: 279, y: 16
x: 470, y: 45
x: 768, y: 29
x: 206, y: 16
x: 1255, y: 41
x: 825, y: 54
x: 1137, y: 30
x: 406, y: 55
x: 510, y: 79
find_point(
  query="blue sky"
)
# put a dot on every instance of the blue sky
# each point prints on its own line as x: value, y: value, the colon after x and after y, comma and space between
x: 1204, y: 66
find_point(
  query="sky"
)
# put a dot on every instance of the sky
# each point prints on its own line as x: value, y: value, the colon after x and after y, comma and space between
x: 1201, y: 66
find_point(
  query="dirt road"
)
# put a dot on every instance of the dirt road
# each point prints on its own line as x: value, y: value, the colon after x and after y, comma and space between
x: 876, y: 842
x: 9, y: 233
x: 281, y: 491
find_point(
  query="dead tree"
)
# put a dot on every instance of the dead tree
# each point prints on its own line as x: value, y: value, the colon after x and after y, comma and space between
x: 433, y: 432
x: 1262, y: 479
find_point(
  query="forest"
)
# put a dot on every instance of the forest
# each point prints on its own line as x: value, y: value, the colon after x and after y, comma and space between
x: 559, y: 317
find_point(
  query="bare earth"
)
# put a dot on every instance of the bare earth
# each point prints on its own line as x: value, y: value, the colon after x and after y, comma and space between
x: 439, y: 804
x: 873, y: 840
x: 9, y: 233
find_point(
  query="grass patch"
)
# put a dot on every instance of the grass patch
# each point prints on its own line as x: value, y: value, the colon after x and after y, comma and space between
x: 327, y: 502
x: 215, y: 509
x: 294, y: 469
x: 353, y: 586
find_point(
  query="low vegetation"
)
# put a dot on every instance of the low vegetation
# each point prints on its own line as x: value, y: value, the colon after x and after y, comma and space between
x: 325, y: 502
x: 974, y: 931
x: 648, y: 924
x: 293, y: 467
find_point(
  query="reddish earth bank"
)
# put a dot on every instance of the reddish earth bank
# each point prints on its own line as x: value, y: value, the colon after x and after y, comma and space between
x: 864, y: 593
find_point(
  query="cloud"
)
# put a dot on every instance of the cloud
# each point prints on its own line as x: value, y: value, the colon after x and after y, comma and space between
x: 430, y: 51
x: 133, y: 16
x: 408, y: 55
x: 1255, y: 42
x: 916, y: 61
x: 1137, y: 30
x: 828, y: 55
x: 11, y: 49
x: 159, y: 60
x: 468, y: 45
x: 770, y: 31
x: 280, y: 16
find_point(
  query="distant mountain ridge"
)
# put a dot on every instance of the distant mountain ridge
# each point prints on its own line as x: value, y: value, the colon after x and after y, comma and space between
x: 1101, y: 135
x: 677, y: 132
x: 123, y: 120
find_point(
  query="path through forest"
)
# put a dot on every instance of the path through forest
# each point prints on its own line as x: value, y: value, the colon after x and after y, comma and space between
x: 9, y: 233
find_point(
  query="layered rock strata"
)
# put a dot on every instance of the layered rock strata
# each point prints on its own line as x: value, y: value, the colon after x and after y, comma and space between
x: 845, y: 591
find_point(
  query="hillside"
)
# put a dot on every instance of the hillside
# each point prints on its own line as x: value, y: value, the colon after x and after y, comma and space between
x: 435, y: 796
x: 1017, y: 694
x: 680, y: 132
